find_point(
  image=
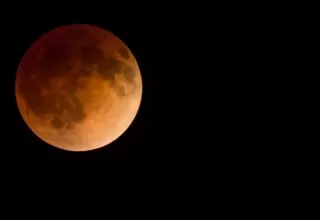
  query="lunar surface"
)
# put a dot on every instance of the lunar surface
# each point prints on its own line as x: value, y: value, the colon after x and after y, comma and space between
x: 78, y: 87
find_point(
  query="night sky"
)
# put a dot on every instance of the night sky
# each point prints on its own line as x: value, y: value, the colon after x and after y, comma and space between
x: 121, y: 180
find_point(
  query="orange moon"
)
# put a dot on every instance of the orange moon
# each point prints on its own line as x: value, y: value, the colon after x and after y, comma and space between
x: 78, y: 87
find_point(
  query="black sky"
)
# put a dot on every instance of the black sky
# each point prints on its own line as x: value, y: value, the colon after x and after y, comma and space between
x: 123, y: 178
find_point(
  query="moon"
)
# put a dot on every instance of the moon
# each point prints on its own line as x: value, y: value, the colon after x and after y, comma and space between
x: 78, y: 87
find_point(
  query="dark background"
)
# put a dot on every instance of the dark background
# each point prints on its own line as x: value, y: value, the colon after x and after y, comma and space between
x: 120, y: 181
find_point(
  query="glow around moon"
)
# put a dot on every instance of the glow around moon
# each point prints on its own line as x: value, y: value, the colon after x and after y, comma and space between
x: 78, y: 87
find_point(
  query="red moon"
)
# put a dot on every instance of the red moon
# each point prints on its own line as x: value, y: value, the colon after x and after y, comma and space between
x: 78, y: 87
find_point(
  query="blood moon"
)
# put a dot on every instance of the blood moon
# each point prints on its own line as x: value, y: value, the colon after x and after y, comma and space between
x: 78, y: 87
